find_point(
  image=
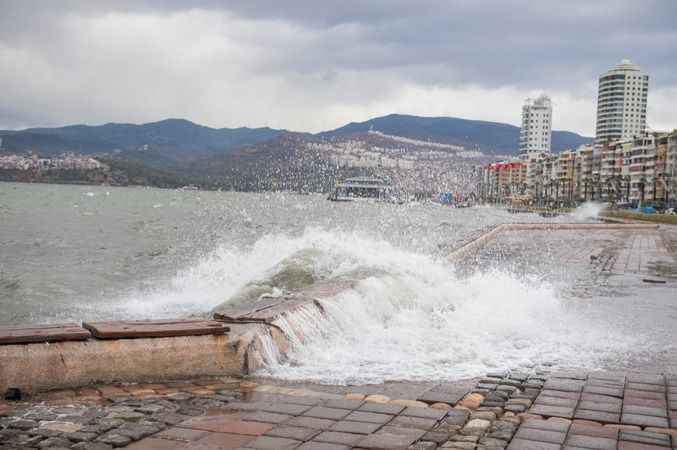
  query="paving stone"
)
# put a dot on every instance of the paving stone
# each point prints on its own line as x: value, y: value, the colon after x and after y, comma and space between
x: 157, y: 444
x: 54, y: 442
x: 647, y: 378
x: 522, y: 444
x: 491, y: 443
x: 298, y: 433
x: 564, y: 385
x: 356, y: 427
x: 311, y: 422
x: 181, y: 434
x: 381, y: 408
x: 300, y: 400
x: 209, y: 423
x: 322, y: 446
x: 644, y: 437
x: 507, y: 389
x: 646, y: 387
x: 227, y: 424
x: 266, y: 417
x: 556, y: 401
x: 593, y: 431
x: 645, y: 410
x: 456, y: 417
x: 630, y: 393
x: 436, y: 436
x: 170, y: 418
x: 591, y: 442
x: 599, y: 406
x: 441, y: 395
x: 391, y: 438
x: 92, y: 446
x: 464, y: 438
x: 322, y: 412
x: 23, y: 424
x: 548, y: 425
x: 423, y: 445
x: 636, y: 401
x: 497, y: 396
x: 137, y: 431
x: 644, y: 421
x: 560, y: 394
x: 459, y: 446
x: 273, y: 443
x: 486, y: 414
x: 413, y: 422
x: 361, y: 416
x: 608, y: 377
x: 623, y: 445
x: 476, y: 426
x: 552, y: 411
x: 114, y: 439
x: 602, y: 390
x: 344, y: 404
x: 337, y: 437
x: 80, y: 436
x: 533, y: 434
x: 425, y: 413
x: 597, y: 416
x: 286, y: 408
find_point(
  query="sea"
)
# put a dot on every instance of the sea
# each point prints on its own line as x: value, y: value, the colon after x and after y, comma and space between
x: 72, y: 253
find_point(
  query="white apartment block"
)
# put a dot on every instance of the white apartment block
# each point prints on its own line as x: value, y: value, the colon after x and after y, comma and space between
x: 536, y: 132
x: 621, y: 102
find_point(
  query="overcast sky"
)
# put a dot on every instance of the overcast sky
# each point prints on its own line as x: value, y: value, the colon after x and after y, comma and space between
x: 311, y: 65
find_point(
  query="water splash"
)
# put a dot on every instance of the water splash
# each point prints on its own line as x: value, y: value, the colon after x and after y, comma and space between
x: 588, y: 211
x: 431, y: 326
x: 411, y: 317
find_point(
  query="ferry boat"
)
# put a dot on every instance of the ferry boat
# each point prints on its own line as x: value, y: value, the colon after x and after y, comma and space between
x: 362, y: 188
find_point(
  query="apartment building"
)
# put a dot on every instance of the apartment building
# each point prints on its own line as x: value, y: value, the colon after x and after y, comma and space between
x: 640, y: 170
x: 621, y: 102
x: 536, y: 131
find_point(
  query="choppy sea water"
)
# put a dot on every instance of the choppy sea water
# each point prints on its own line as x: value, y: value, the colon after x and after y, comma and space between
x: 71, y: 253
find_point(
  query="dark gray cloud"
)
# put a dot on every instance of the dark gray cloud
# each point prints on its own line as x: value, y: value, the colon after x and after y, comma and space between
x: 309, y: 65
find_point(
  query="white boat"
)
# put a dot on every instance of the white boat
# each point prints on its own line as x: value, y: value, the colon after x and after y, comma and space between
x: 362, y: 188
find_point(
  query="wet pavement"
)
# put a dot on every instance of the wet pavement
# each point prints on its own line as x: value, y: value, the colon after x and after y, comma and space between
x: 504, y: 410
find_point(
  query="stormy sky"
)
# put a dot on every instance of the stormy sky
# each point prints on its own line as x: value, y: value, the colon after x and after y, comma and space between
x: 310, y: 65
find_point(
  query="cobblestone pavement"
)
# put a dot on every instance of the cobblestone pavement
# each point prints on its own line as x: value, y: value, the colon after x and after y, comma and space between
x: 514, y: 411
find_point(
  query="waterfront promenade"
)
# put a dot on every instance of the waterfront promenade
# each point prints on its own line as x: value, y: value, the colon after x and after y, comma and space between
x: 633, y: 407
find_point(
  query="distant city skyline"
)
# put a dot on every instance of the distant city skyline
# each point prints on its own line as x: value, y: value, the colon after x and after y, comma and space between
x: 297, y: 66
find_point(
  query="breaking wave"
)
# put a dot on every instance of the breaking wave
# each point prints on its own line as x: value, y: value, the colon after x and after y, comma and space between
x: 409, y: 317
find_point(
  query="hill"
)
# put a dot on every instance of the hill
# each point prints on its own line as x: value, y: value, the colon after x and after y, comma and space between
x: 174, y: 138
x: 182, y: 140
x: 490, y: 137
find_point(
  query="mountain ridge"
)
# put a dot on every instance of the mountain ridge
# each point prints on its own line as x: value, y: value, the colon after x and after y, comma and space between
x: 182, y: 139
x: 501, y: 137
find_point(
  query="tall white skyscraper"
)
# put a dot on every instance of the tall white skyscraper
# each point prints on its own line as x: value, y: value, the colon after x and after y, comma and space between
x: 621, y: 102
x: 536, y: 132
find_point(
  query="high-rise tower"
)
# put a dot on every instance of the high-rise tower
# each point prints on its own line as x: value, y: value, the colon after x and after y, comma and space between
x: 621, y: 102
x: 536, y: 131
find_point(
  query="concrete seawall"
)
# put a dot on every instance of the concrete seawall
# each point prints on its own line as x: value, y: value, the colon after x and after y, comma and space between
x: 41, y: 366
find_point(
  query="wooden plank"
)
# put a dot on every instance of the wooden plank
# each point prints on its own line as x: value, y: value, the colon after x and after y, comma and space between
x: 154, y: 328
x: 42, y: 333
